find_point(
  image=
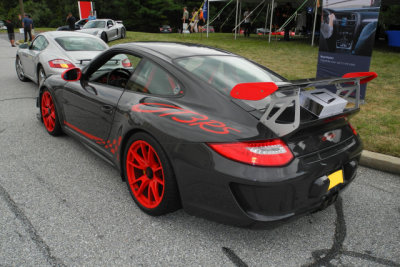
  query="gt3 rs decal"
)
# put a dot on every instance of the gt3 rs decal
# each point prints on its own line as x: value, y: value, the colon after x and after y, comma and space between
x: 112, y: 145
x: 184, y: 116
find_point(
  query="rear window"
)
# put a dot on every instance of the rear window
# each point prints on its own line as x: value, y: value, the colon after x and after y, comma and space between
x: 81, y: 43
x: 224, y: 72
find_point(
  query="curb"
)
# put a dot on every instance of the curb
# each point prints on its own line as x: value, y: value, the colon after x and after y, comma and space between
x: 380, y: 162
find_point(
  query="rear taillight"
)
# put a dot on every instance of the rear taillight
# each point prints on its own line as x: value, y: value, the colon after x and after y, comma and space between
x: 61, y: 64
x: 126, y: 63
x: 259, y: 153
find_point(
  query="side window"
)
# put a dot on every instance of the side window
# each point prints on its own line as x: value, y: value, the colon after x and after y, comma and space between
x: 39, y: 44
x: 152, y: 79
x: 109, y: 23
x: 116, y: 71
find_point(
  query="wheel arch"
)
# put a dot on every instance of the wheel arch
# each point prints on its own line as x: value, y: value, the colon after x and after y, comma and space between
x: 39, y: 65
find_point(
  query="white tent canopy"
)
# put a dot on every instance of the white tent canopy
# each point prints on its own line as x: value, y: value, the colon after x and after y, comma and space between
x: 271, y: 10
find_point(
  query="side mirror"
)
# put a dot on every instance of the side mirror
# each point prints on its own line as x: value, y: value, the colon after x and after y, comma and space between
x: 253, y: 91
x: 72, y: 75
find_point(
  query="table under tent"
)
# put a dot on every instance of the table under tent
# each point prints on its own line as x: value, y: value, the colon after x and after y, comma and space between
x: 261, y: 4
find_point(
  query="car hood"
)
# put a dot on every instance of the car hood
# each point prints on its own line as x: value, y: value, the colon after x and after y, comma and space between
x: 90, y: 31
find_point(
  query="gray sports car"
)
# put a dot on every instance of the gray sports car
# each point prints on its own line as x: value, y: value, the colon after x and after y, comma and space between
x: 106, y: 29
x: 54, y: 52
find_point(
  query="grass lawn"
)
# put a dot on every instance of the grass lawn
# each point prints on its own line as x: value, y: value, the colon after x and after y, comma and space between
x: 378, y: 122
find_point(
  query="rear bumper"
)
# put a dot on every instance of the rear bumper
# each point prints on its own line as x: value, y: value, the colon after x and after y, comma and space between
x: 229, y: 192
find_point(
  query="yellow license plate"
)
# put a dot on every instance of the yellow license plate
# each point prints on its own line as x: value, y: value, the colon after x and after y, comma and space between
x: 335, y: 179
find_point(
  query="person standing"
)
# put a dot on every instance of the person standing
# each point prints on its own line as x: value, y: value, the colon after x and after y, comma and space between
x: 247, y: 22
x: 27, y: 25
x: 185, y: 19
x: 202, y: 21
x: 194, y: 20
x: 10, y: 31
x: 71, y: 22
x: 286, y: 15
x: 91, y: 16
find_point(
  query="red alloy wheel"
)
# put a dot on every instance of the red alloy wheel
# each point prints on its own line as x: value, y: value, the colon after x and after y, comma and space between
x: 48, y: 111
x: 145, y: 174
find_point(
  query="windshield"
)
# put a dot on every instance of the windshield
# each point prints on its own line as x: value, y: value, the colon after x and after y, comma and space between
x: 94, y: 24
x: 81, y: 43
x: 224, y: 72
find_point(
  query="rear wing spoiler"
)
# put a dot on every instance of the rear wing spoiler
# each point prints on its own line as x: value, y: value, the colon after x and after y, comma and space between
x: 347, y: 90
x: 119, y: 21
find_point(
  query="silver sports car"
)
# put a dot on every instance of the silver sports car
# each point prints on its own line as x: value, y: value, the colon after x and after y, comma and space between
x: 106, y: 29
x: 54, y: 52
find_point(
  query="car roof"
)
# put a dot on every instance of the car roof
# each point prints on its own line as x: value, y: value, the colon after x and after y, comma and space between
x: 55, y: 34
x: 175, y: 50
x: 101, y: 19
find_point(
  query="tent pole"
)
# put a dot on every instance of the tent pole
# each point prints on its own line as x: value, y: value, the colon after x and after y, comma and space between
x: 208, y: 17
x: 236, y: 20
x: 315, y: 22
x: 266, y: 19
x: 270, y: 22
x: 240, y: 15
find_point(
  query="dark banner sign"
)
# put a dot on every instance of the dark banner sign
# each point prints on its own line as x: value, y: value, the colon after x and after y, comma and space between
x: 347, y: 36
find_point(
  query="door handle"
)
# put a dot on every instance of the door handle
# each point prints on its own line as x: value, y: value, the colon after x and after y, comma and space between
x: 107, y: 109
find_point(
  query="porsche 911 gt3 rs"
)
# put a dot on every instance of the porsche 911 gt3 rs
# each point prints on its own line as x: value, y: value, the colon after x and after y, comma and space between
x: 215, y: 133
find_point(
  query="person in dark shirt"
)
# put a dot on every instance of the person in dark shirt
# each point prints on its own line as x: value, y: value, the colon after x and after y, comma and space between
x: 71, y: 21
x: 27, y: 24
x: 287, y: 12
x: 10, y: 31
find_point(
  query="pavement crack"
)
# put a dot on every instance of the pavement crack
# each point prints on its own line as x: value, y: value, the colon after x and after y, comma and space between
x: 370, y: 258
x: 17, y: 98
x: 233, y: 257
x: 323, y: 257
x: 30, y: 229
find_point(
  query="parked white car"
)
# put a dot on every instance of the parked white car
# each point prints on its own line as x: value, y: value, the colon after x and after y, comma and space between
x: 54, y: 52
x: 106, y: 29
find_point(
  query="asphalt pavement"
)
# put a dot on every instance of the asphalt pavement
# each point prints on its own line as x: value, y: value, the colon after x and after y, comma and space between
x: 62, y: 205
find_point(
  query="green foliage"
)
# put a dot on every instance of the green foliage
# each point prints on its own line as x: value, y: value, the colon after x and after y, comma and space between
x: 391, y: 15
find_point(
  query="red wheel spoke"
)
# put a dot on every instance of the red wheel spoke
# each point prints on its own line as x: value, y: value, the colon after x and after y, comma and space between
x: 143, y: 185
x: 139, y: 159
x: 144, y: 152
x: 158, y: 180
x: 154, y: 189
x: 136, y: 165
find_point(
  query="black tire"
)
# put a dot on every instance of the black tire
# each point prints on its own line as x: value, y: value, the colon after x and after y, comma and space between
x: 41, y: 75
x: 49, y: 114
x: 104, y: 37
x: 19, y: 69
x: 123, y: 33
x: 157, y: 159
